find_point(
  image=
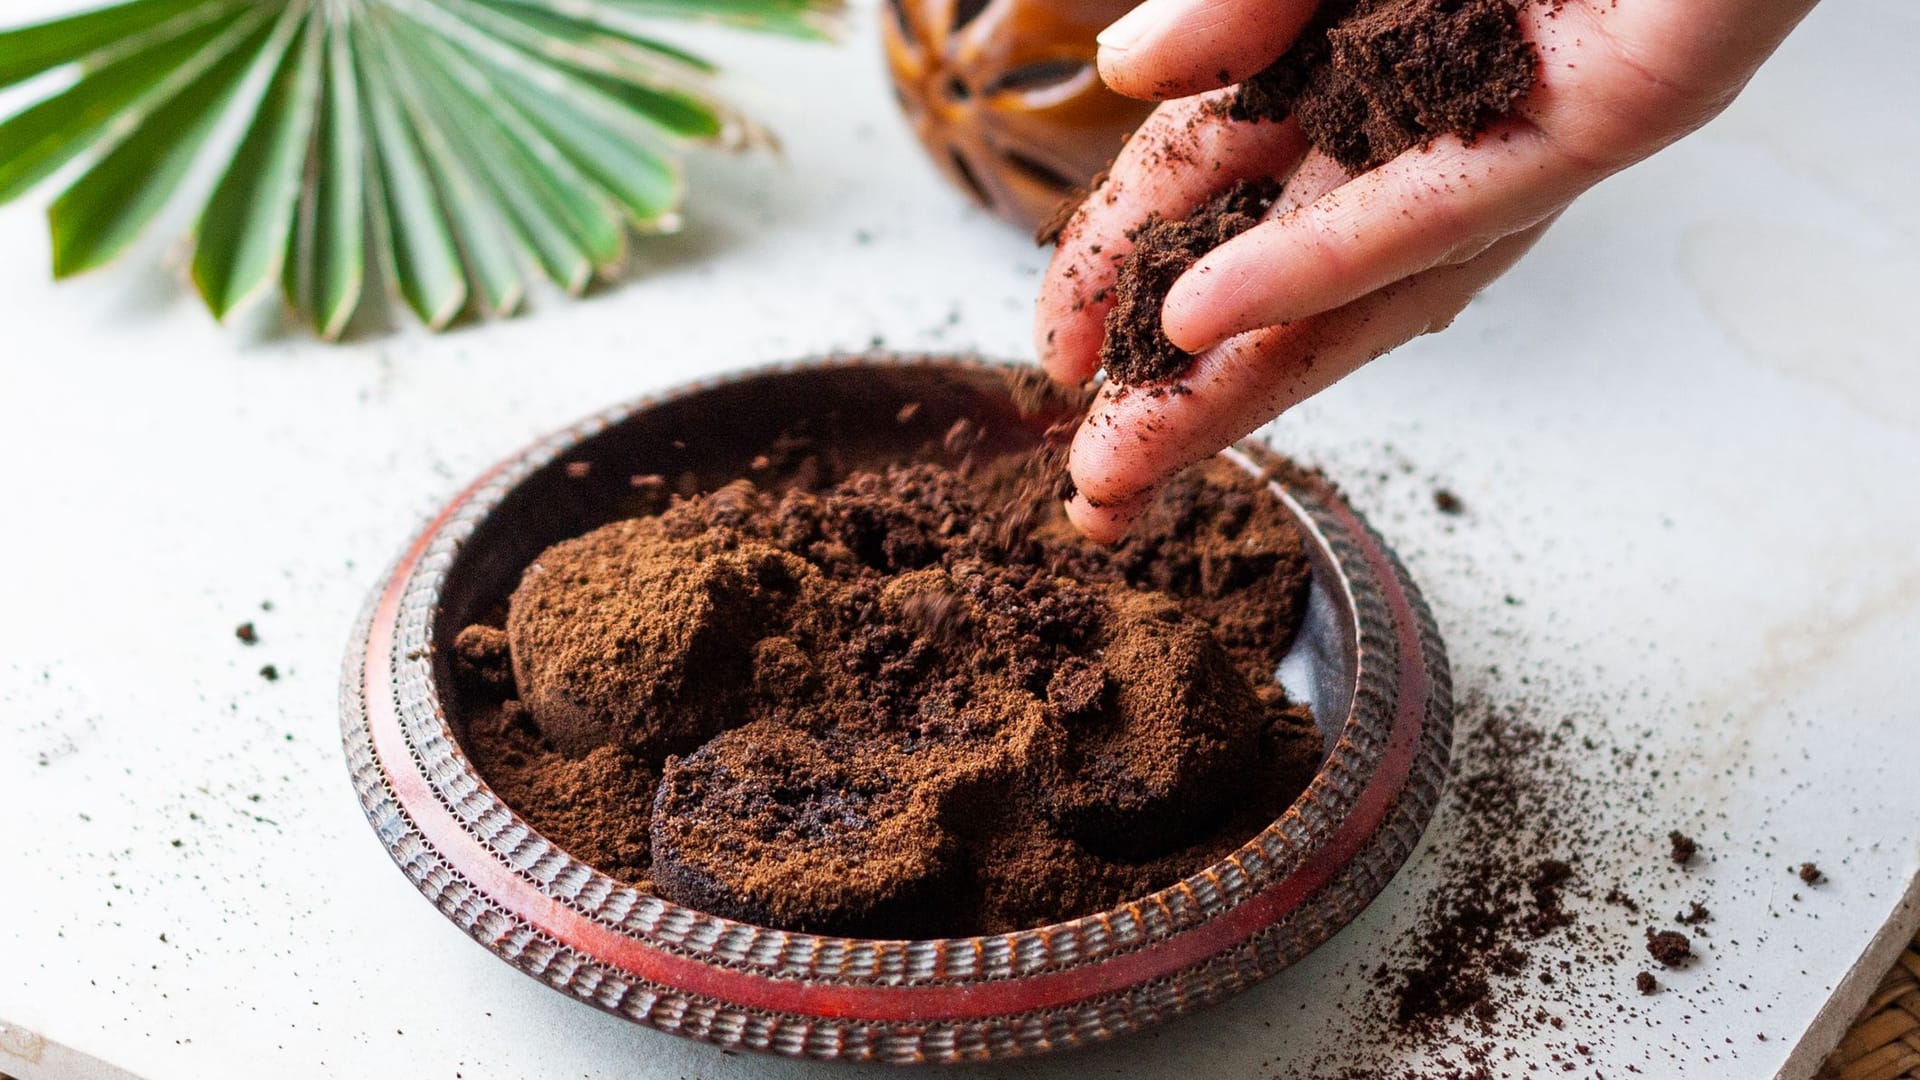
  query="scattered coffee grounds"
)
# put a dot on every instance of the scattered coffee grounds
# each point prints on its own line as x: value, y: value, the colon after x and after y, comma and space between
x: 1136, y: 351
x: 1682, y: 848
x: 1618, y: 898
x: 1694, y: 915
x: 1369, y: 79
x: 1670, y: 947
x: 1445, y: 501
x: 270, y: 673
x: 1547, y: 767
x: 247, y: 634
x: 1811, y: 874
x: 1492, y: 903
x: 903, y: 699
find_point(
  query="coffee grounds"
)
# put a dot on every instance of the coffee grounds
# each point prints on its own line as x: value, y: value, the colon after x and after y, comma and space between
x: 1370, y: 79
x: 1492, y: 904
x: 1645, y: 982
x: 1670, y: 947
x: 1683, y: 848
x: 1811, y: 874
x: 247, y: 634
x: 1136, y: 351
x: 1694, y: 915
x: 750, y: 825
x: 901, y: 701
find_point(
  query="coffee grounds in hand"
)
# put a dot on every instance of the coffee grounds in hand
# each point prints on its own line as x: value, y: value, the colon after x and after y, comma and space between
x: 904, y: 700
x: 1370, y: 79
x: 1136, y: 351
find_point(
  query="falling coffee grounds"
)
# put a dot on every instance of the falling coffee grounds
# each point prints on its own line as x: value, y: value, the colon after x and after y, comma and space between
x: 901, y: 700
x: 1370, y: 79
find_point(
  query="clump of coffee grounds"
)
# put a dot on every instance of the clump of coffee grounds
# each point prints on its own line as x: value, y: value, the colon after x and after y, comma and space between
x: 1136, y: 351
x: 1681, y: 847
x: 1370, y: 79
x: 1670, y: 947
x: 904, y: 700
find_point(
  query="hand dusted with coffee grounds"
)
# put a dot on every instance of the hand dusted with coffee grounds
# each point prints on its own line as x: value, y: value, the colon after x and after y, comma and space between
x: 904, y: 701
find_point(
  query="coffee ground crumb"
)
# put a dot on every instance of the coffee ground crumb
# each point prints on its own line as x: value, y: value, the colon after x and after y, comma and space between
x: 1682, y: 848
x: 247, y: 634
x: 1445, y: 501
x: 1136, y: 351
x: 1811, y: 874
x: 1370, y: 79
x: 1670, y: 947
x: 1645, y: 982
x: 1695, y: 915
x: 270, y: 673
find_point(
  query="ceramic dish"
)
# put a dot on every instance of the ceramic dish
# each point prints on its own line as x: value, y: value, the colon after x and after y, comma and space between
x: 1368, y: 660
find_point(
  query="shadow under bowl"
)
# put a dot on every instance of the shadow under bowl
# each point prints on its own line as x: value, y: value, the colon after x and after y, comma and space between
x: 1368, y: 660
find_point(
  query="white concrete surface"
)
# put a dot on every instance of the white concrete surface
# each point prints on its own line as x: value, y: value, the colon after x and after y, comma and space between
x: 1687, y: 430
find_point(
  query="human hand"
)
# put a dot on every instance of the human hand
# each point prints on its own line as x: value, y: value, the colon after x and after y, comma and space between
x: 1344, y: 268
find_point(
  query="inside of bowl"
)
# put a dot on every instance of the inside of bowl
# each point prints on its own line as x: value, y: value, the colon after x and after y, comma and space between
x: 871, y: 413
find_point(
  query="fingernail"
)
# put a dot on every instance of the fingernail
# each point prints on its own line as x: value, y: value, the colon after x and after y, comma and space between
x: 1131, y: 27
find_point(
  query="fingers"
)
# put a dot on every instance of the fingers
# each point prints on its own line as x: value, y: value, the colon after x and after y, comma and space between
x: 1184, y: 154
x: 1172, y: 48
x: 1135, y: 438
x: 1619, y: 83
x: 1424, y: 209
x: 1317, y: 175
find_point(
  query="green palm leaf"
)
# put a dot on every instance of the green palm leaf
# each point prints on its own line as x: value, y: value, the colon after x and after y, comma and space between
x: 244, y: 228
x: 468, y: 141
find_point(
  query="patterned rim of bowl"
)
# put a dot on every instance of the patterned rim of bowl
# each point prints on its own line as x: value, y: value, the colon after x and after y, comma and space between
x: 1196, y: 942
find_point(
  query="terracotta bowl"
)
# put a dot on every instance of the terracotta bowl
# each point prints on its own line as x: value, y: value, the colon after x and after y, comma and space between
x: 1368, y: 660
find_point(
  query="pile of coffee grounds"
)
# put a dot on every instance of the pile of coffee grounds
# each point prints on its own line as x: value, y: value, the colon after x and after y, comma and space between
x: 1136, y: 351
x: 901, y: 700
x: 1370, y: 79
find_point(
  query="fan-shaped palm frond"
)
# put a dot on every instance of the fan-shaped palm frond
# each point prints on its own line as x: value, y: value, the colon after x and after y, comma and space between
x: 453, y: 145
